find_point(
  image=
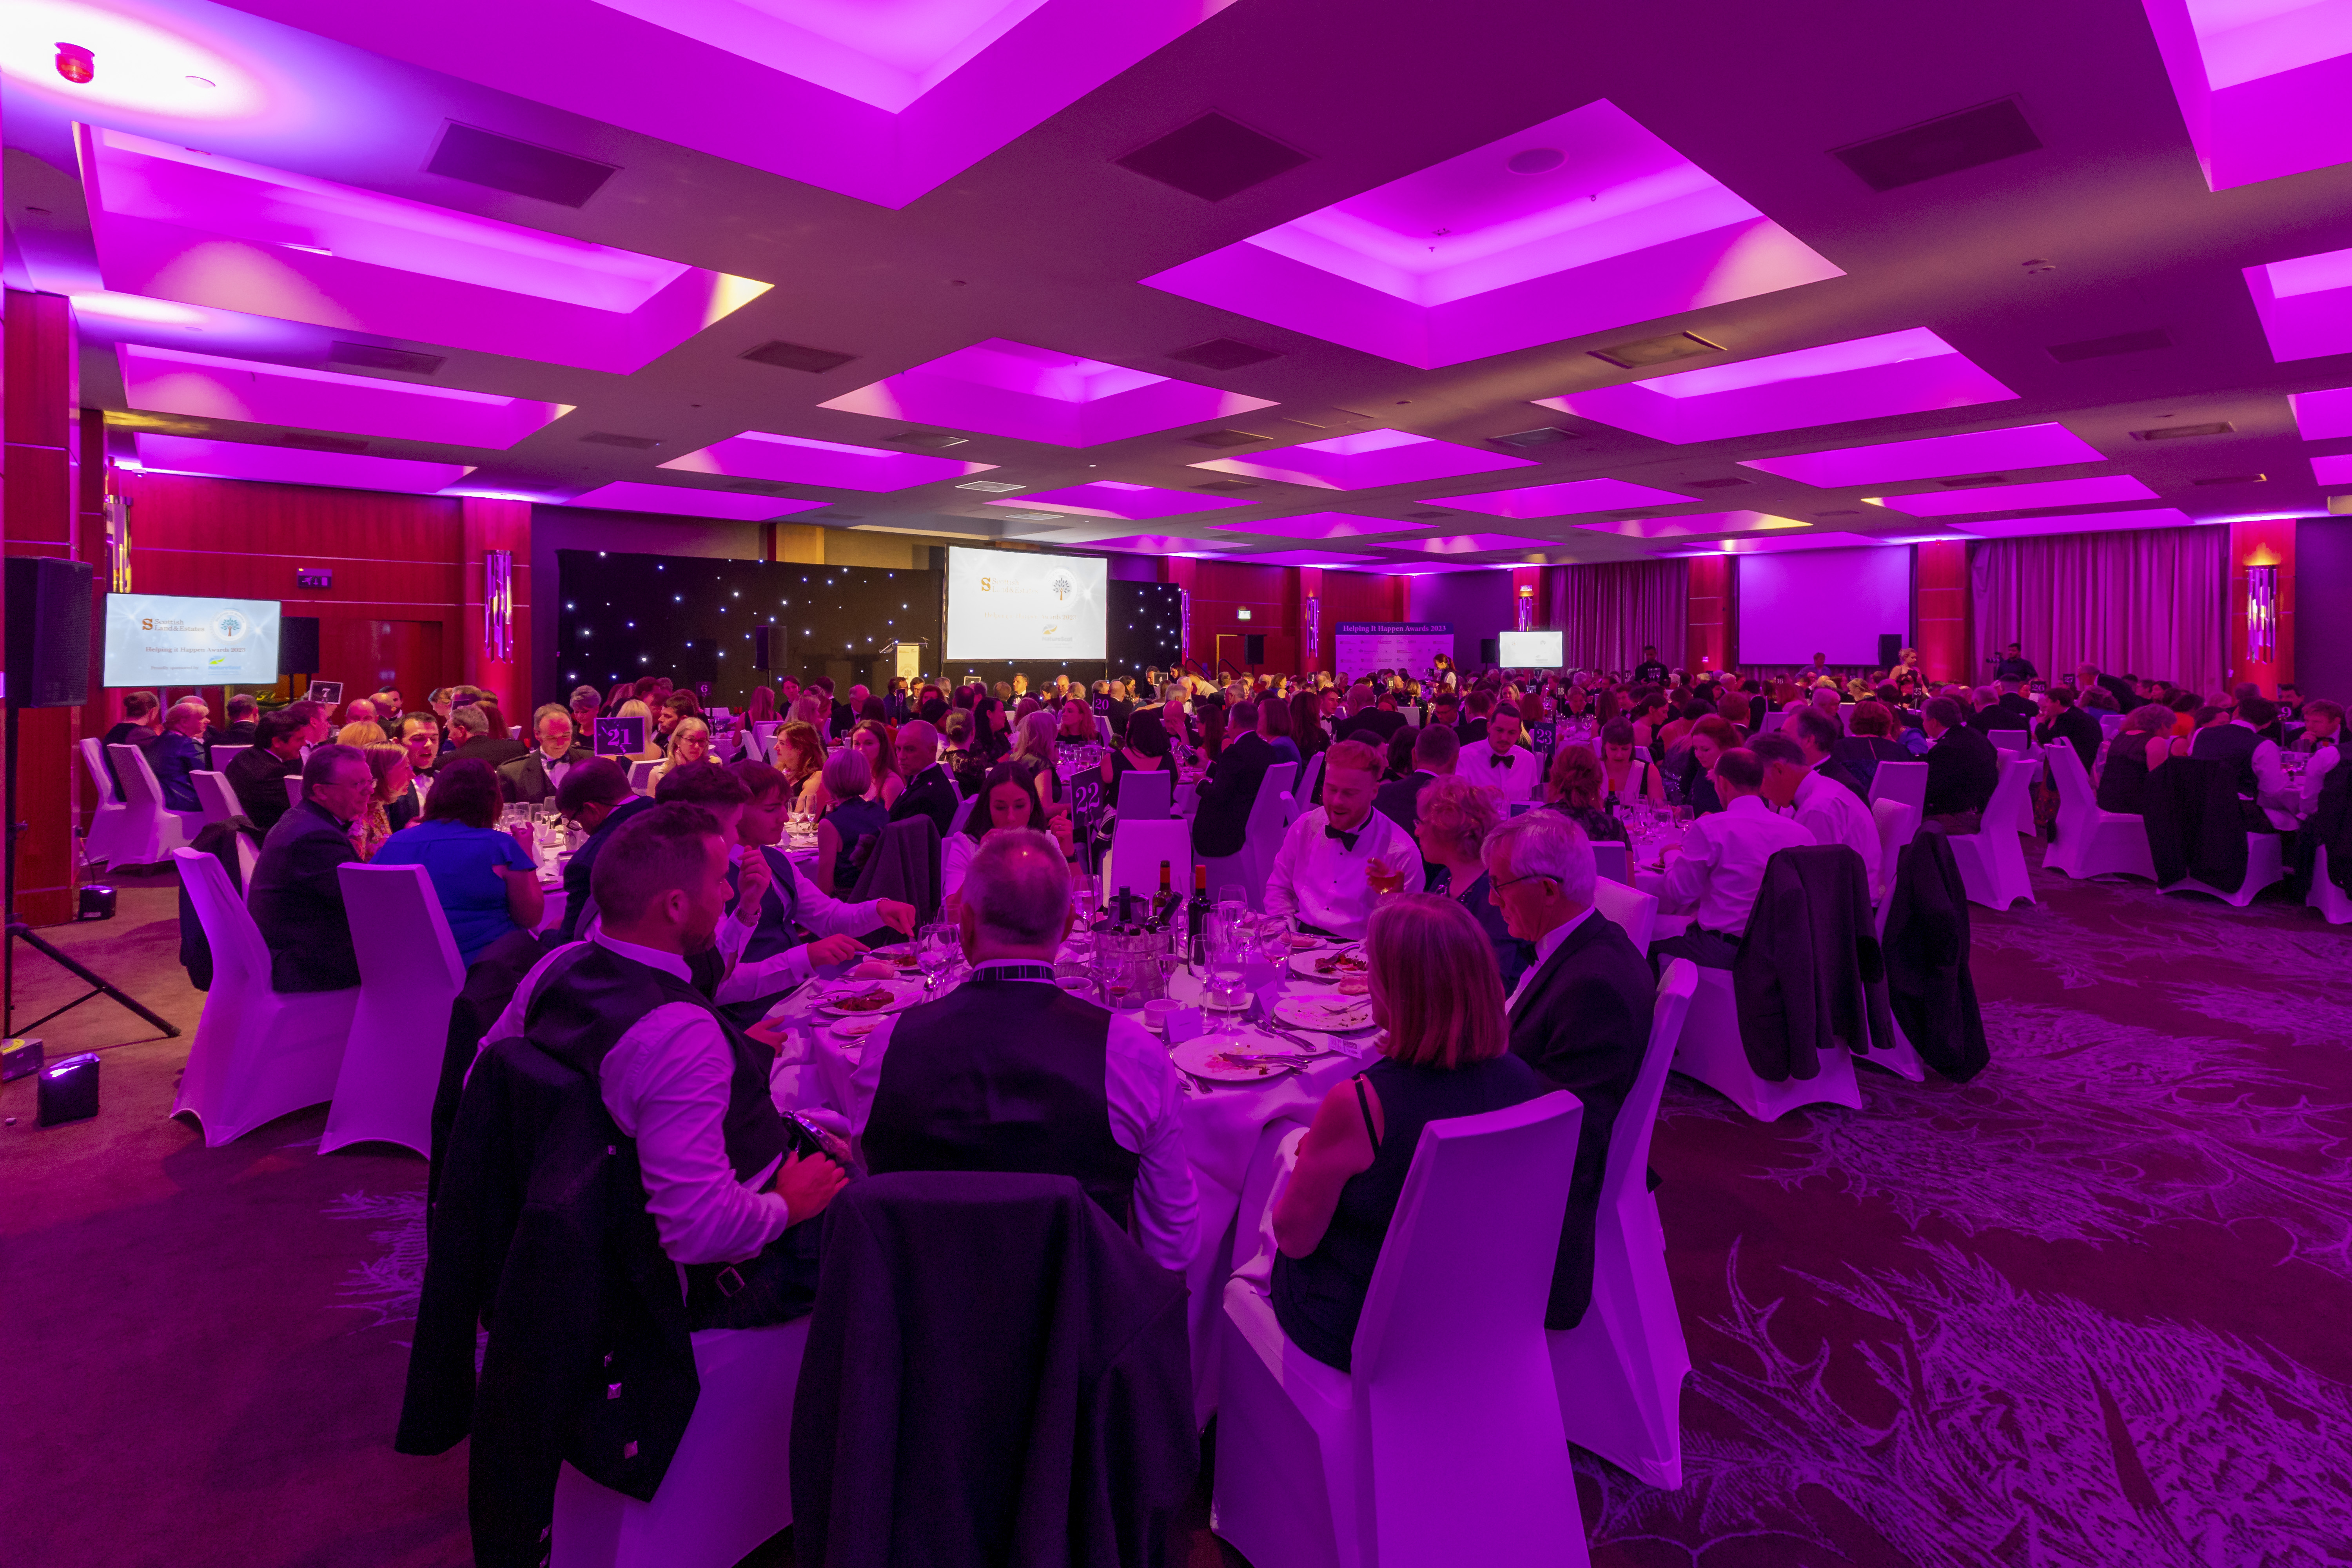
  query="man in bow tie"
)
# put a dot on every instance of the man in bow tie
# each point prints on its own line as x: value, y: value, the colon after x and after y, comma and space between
x: 1338, y: 858
x: 1502, y: 763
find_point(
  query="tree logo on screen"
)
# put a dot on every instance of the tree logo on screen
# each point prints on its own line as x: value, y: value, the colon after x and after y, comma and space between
x: 230, y: 625
x: 1062, y: 586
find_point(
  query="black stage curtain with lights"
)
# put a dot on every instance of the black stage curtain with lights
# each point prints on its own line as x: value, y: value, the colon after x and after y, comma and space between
x: 697, y: 620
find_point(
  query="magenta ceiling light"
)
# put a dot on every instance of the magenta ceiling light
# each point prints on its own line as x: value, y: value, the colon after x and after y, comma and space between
x: 2076, y: 522
x: 287, y: 466
x: 2323, y: 416
x: 1424, y: 568
x: 1863, y: 378
x: 172, y: 223
x: 1150, y: 544
x: 1935, y: 457
x: 1304, y: 558
x: 1563, y: 501
x: 881, y: 101
x: 1770, y: 544
x: 2304, y: 304
x: 2333, y: 470
x: 1475, y: 543
x: 2018, y: 498
x: 1367, y: 460
x: 795, y: 459
x: 680, y: 500
x: 1321, y: 525
x: 204, y: 386
x: 1694, y: 524
x: 1003, y: 388
x: 1581, y: 224
x: 2262, y: 83
x: 1128, y: 503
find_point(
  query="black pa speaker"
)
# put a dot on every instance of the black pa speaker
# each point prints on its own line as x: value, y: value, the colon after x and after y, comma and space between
x: 48, y: 631
x: 1890, y: 649
x: 760, y: 646
x: 298, y: 645
x: 1254, y: 647
x: 1490, y: 650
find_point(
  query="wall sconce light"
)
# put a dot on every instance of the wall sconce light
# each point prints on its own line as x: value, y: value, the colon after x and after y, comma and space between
x: 1527, y: 607
x: 2261, y: 615
x: 497, y: 606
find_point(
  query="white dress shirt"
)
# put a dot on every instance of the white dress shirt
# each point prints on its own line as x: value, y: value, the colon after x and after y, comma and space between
x: 1545, y: 945
x: 2276, y: 797
x: 1146, y: 1119
x: 1720, y: 868
x: 1833, y: 814
x: 664, y: 1082
x: 2323, y: 757
x: 818, y: 911
x: 1518, y: 776
x: 955, y: 863
x: 1322, y: 881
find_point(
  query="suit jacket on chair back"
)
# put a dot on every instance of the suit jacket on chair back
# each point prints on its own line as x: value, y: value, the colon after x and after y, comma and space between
x: 1221, y: 823
x: 1928, y: 987
x: 1811, y: 976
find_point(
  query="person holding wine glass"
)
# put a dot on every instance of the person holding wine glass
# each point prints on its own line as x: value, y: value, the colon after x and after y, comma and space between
x: 1338, y: 858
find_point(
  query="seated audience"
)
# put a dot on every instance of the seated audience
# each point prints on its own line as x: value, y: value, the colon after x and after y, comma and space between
x: 394, y: 784
x: 1872, y: 743
x: 597, y: 797
x: 1221, y: 820
x: 1436, y: 752
x: 1817, y: 734
x: 927, y: 790
x: 1830, y: 811
x: 1010, y: 1073
x: 962, y: 763
x: 1709, y: 738
x: 2062, y: 720
x: 1630, y: 779
x: 1580, y: 1016
x: 297, y: 894
x: 243, y: 715
x: 1008, y: 801
x: 1445, y: 1053
x: 1274, y: 727
x: 258, y: 774
x: 584, y: 704
x: 472, y: 739
x: 142, y: 721
x: 1033, y: 748
x: 1456, y: 816
x: 361, y: 733
x: 850, y: 829
x: 1143, y: 749
x: 2138, y: 749
x: 1718, y: 869
x: 1076, y: 725
x: 174, y: 755
x: 2322, y: 741
x: 1499, y: 761
x: 533, y: 779
x: 1575, y: 790
x: 2264, y: 795
x: 635, y: 708
x: 420, y: 733
x: 486, y: 882
x: 1963, y: 768
x: 689, y: 742
x: 1335, y: 859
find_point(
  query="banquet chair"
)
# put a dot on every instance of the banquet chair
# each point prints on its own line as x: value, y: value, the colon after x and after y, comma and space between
x: 1620, y: 1371
x: 1992, y: 861
x: 1773, y: 719
x: 221, y: 756
x: 963, y: 813
x: 2036, y: 758
x: 2091, y: 842
x: 1711, y: 1051
x: 1304, y: 795
x: 1615, y: 861
x: 2326, y: 896
x: 1845, y: 718
x: 150, y: 830
x: 1269, y: 819
x: 1635, y: 912
x: 1102, y: 727
x: 1138, y: 848
x: 1444, y: 1446
x: 1904, y: 781
x: 641, y: 775
x: 2265, y: 864
x: 724, y: 1493
x: 2109, y: 725
x: 1897, y: 824
x: 258, y: 1054
x: 293, y: 789
x: 409, y: 975
x: 2010, y: 742
x: 216, y: 802
x: 108, y: 823
x: 1146, y: 797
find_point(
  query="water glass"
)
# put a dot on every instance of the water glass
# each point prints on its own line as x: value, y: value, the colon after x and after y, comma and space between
x: 936, y: 950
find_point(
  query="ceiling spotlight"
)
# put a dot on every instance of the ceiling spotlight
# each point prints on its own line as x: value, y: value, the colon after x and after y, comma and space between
x: 1536, y: 161
x: 76, y: 63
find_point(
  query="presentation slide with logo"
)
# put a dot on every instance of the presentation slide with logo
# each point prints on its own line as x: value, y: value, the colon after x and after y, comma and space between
x: 1531, y: 651
x: 1363, y: 646
x: 1010, y: 604
x: 167, y: 639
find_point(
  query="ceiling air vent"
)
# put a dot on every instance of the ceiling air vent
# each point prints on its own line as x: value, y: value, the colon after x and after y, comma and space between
x: 2182, y: 432
x: 1035, y: 517
x: 1985, y: 134
x: 1425, y: 516
x: 501, y: 162
x: 1224, y: 438
x: 992, y: 487
x: 367, y: 356
x: 2100, y: 348
x: 930, y: 440
x: 1212, y: 158
x: 1972, y: 481
x: 314, y: 443
x: 1224, y: 354
x: 2234, y: 480
x: 607, y: 439
x: 798, y: 356
x: 1841, y: 512
x: 1225, y: 486
x: 1541, y: 435
x: 1718, y: 484
x: 1640, y: 352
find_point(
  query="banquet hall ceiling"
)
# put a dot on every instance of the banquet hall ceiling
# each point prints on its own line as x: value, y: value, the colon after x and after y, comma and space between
x: 963, y: 246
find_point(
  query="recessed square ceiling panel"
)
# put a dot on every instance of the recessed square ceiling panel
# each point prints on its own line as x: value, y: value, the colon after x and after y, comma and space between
x: 2018, y: 498
x: 2077, y: 523
x: 1771, y: 543
x: 2304, y: 304
x: 1367, y: 460
x: 1938, y: 457
x: 1696, y: 524
x: 1563, y: 501
x: 2262, y: 83
x: 2333, y: 470
x: 173, y: 224
x: 794, y: 459
x: 881, y: 101
x: 1424, y: 568
x: 1321, y: 525
x: 680, y: 500
x: 204, y: 386
x: 1304, y: 558
x: 287, y: 466
x: 1581, y: 224
x: 2323, y: 416
x: 1863, y: 378
x: 1150, y: 545
x: 1129, y: 503
x: 1475, y: 543
x: 1004, y: 388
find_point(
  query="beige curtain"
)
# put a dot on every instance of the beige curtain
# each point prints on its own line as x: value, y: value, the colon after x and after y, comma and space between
x: 2149, y: 602
x: 1611, y: 612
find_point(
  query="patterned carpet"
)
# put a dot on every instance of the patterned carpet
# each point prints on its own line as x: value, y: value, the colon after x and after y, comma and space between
x: 2087, y: 1310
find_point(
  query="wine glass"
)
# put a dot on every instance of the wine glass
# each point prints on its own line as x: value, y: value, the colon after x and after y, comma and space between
x: 935, y: 952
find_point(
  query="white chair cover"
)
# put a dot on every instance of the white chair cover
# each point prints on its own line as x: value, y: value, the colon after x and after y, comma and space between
x: 2091, y: 842
x: 258, y: 1054
x: 1615, y: 861
x: 1710, y: 1051
x: 106, y: 823
x: 1269, y: 818
x: 215, y: 797
x: 293, y: 789
x: 1138, y: 848
x: 1620, y: 1371
x: 963, y: 813
x: 1146, y: 797
x: 1634, y: 910
x: 2325, y: 895
x: 641, y: 775
x: 1444, y: 1445
x: 1992, y: 861
x: 150, y: 831
x: 409, y: 976
x: 1102, y: 727
x: 2265, y: 864
x: 725, y: 1492
x: 1905, y: 782
x: 2013, y: 742
x: 1897, y: 825
x: 1773, y: 718
x: 1305, y: 794
x: 221, y: 756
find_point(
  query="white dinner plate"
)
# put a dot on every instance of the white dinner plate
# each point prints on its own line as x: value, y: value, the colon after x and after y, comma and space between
x: 1232, y: 1058
x: 1308, y: 965
x: 1326, y: 1012
x: 903, y: 995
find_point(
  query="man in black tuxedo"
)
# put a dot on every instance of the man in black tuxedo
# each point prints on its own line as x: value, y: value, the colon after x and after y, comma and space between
x: 1581, y: 1015
x: 2062, y: 721
x: 1817, y: 734
x: 297, y: 897
x: 1434, y: 750
x: 929, y: 790
x: 244, y: 717
x: 1480, y: 712
x: 1376, y: 727
x: 1222, y: 821
x: 532, y: 779
x: 258, y: 774
x: 597, y: 797
x: 1962, y: 768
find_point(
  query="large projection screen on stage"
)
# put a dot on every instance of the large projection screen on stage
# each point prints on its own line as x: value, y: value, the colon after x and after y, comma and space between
x: 1010, y: 604
x: 1794, y: 604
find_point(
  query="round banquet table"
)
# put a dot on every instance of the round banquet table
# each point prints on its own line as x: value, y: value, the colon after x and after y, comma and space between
x: 801, y: 854
x: 1230, y: 1130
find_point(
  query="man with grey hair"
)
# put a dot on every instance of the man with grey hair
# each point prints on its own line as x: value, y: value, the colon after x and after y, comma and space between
x: 929, y: 790
x: 533, y: 779
x: 1010, y: 1073
x: 1580, y: 1016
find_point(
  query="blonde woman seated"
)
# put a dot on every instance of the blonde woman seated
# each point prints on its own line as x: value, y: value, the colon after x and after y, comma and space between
x: 389, y: 765
x: 633, y: 709
x: 361, y: 733
x: 799, y: 757
x: 688, y: 743
x: 1576, y: 787
x: 1435, y: 991
x: 1033, y: 747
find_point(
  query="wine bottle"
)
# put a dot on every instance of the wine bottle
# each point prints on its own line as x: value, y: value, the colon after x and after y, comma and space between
x: 1196, y: 918
x: 1163, y: 908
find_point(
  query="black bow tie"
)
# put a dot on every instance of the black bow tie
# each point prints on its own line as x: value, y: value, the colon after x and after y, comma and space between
x: 1346, y: 840
x: 1498, y: 759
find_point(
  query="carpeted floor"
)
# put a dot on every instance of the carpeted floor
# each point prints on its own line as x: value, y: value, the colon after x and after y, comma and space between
x: 2087, y: 1310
